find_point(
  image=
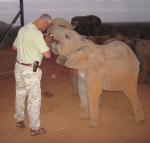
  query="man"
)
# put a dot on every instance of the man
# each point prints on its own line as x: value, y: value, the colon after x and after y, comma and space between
x: 31, y: 47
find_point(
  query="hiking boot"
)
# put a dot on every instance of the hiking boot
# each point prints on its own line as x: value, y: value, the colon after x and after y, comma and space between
x: 39, y: 131
x: 20, y: 124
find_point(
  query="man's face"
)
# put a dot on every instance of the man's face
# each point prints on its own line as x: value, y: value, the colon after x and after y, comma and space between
x: 44, y: 24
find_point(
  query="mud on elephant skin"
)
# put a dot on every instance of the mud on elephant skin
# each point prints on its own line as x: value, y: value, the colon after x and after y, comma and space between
x: 113, y: 67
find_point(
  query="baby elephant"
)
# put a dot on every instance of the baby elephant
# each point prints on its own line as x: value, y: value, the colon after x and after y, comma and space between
x: 112, y: 67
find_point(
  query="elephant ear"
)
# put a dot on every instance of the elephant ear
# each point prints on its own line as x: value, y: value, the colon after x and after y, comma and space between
x: 61, y: 60
x: 79, y: 59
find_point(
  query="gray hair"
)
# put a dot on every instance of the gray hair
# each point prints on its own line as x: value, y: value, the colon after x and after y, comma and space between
x: 46, y: 17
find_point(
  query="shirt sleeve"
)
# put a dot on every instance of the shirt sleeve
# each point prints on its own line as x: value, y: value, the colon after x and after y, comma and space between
x: 40, y: 43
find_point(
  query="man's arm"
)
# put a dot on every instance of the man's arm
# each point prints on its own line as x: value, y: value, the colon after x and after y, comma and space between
x: 42, y: 46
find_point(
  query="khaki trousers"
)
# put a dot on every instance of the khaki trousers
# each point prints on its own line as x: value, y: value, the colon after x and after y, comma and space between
x: 28, y: 85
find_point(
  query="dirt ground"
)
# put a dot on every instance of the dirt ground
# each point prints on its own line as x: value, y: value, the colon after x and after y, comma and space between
x: 60, y: 110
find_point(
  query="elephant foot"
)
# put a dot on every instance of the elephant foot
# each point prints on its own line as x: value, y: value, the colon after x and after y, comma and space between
x: 84, y: 116
x: 139, y: 119
x: 93, y: 124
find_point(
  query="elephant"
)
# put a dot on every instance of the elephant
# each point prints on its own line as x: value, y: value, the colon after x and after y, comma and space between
x: 142, y: 50
x: 87, y: 25
x: 112, y: 67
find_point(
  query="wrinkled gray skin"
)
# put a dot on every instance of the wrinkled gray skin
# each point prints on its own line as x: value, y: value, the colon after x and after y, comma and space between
x: 111, y: 67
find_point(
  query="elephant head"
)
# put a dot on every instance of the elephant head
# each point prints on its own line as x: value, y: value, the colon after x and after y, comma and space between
x: 65, y: 40
x: 68, y: 40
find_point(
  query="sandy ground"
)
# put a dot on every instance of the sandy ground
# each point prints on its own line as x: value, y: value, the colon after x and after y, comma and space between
x: 60, y: 111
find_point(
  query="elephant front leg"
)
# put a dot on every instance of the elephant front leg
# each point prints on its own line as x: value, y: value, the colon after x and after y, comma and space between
x: 94, y: 90
x: 74, y: 79
x: 82, y: 89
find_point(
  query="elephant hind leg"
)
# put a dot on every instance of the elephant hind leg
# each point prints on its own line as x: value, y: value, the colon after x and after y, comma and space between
x: 131, y: 92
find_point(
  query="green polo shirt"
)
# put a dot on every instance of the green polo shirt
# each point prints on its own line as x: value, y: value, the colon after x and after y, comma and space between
x: 30, y: 44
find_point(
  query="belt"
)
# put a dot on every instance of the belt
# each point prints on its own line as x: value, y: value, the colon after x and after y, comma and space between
x: 24, y: 64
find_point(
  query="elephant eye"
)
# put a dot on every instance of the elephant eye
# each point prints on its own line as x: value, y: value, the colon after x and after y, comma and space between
x: 67, y: 36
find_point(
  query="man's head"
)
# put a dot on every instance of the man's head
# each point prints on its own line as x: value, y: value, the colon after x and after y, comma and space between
x: 43, y: 22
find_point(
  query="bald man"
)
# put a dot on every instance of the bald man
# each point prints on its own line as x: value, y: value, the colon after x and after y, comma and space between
x: 31, y: 48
